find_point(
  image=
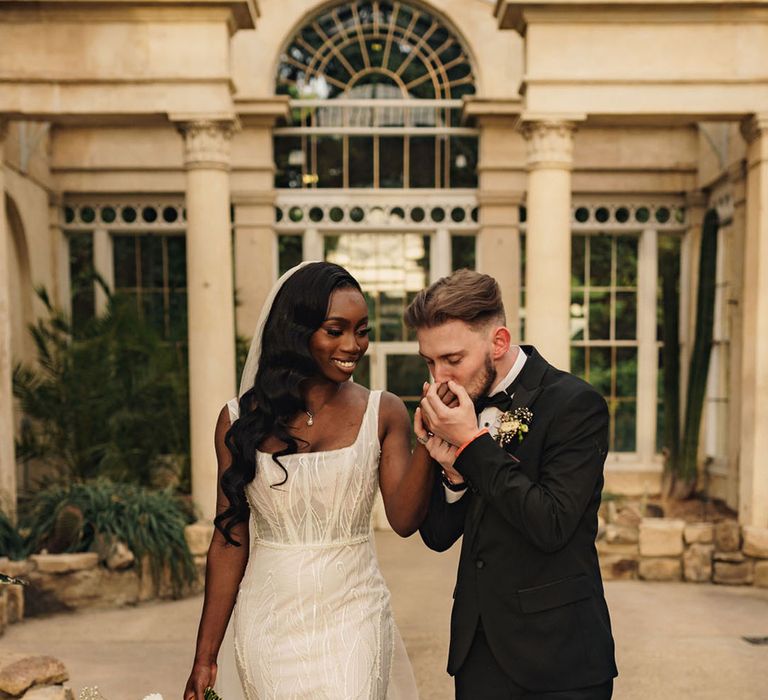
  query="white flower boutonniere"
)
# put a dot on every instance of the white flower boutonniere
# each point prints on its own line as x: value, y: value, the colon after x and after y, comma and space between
x: 513, y: 424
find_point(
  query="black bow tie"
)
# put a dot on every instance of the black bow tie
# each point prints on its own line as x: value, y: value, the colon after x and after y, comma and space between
x: 501, y: 400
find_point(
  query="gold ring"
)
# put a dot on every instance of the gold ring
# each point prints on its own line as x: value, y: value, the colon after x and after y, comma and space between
x: 423, y: 439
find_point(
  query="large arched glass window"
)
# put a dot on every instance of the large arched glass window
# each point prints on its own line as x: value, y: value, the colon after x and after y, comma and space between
x: 376, y: 92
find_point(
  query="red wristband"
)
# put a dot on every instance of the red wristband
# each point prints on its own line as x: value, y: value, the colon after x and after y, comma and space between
x: 471, y: 440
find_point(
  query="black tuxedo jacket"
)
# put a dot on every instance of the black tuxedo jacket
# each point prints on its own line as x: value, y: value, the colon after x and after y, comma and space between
x: 528, y: 567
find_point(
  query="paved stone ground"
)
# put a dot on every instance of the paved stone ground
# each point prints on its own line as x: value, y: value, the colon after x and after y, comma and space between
x: 673, y: 640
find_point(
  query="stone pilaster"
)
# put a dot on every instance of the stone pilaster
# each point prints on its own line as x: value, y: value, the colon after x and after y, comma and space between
x: 753, y: 468
x: 210, y: 302
x: 7, y: 454
x: 548, y: 238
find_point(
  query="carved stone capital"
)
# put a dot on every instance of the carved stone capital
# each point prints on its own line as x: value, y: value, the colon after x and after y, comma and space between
x: 754, y: 127
x: 207, y: 143
x: 550, y: 143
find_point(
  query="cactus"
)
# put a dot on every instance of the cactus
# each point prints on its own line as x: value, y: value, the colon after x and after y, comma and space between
x: 67, y: 530
x: 669, y: 270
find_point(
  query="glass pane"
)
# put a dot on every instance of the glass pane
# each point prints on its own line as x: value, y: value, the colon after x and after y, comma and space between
x: 463, y: 252
x: 151, y: 252
x: 578, y: 246
x: 177, y: 261
x: 405, y: 375
x: 624, y: 421
x: 391, y: 161
x: 626, y: 261
x: 330, y: 159
x: 289, y: 252
x: 362, y: 373
x: 390, y: 269
x: 578, y: 316
x: 124, y: 257
x: 599, y: 316
x: 626, y: 372
x: 463, y: 161
x: 600, y: 260
x: 289, y: 160
x: 626, y: 315
x: 422, y: 161
x: 361, y: 161
x: 81, y: 278
x: 600, y: 370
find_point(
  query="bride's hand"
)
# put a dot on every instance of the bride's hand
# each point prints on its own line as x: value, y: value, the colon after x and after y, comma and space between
x: 203, y: 676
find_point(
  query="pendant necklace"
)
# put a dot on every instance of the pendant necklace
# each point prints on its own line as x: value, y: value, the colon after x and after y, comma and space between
x: 311, y: 415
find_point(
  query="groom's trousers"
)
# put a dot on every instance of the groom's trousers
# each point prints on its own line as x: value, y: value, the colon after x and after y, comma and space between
x: 481, y: 678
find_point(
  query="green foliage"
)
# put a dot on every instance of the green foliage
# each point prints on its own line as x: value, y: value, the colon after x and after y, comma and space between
x: 109, y: 400
x: 13, y: 544
x: 150, y: 522
x: 67, y: 530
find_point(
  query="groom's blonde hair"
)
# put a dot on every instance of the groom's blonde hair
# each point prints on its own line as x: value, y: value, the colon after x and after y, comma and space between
x: 465, y: 295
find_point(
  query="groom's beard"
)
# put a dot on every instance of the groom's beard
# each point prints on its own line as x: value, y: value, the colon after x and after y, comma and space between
x: 484, y: 381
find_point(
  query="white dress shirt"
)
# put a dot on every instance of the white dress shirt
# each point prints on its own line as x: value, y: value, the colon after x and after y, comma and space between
x: 489, y: 417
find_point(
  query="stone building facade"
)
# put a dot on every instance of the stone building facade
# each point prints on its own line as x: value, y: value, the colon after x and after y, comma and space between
x: 191, y: 150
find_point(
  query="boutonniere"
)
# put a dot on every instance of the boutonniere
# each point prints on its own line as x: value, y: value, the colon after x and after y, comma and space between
x: 513, y: 424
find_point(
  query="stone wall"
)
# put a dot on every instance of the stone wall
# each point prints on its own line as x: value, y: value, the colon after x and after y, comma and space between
x: 59, y: 582
x: 668, y: 549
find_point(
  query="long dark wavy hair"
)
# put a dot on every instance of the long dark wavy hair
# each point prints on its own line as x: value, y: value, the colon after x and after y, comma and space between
x: 285, y: 364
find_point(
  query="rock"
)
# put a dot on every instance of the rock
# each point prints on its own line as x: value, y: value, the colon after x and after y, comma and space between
x: 621, y: 534
x: 15, y: 604
x: 120, y: 557
x: 17, y: 569
x: 64, y: 563
x: 661, y: 537
x: 51, y: 692
x: 727, y: 536
x: 617, y: 567
x: 733, y: 573
x: 18, y: 672
x: 660, y: 569
x: 730, y: 557
x: 600, y: 526
x: 198, y: 536
x: 3, y: 609
x: 699, y: 533
x: 629, y: 515
x: 653, y: 511
x: 755, y: 542
x: 697, y: 563
x: 625, y: 550
x: 760, y: 574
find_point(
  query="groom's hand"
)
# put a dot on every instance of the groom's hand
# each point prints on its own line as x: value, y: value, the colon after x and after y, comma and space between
x: 454, y: 425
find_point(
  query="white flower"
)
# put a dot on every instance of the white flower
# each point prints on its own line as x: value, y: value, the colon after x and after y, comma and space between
x: 153, y: 696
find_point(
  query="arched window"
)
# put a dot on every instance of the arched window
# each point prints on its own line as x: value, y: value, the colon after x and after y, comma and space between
x: 376, y: 92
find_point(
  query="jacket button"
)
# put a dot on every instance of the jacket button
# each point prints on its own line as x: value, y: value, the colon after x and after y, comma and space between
x: 479, y: 563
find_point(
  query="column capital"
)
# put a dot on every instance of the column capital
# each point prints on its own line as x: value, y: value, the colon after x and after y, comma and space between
x: 207, y: 142
x: 550, y: 143
x: 754, y: 126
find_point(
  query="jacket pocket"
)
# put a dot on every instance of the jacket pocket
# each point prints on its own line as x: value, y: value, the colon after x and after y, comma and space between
x: 555, y: 594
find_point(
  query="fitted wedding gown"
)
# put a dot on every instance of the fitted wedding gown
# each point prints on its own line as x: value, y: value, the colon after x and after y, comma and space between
x: 313, y: 619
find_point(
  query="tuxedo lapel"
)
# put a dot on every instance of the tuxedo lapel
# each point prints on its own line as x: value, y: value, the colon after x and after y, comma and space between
x: 527, y: 390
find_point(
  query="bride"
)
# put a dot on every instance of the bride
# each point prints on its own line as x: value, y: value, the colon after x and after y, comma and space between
x: 301, y: 456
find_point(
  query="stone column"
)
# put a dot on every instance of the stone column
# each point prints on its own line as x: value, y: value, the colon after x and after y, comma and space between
x: 210, y: 303
x: 753, y: 471
x: 548, y: 238
x: 7, y: 453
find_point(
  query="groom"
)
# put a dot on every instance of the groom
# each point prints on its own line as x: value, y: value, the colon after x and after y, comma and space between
x: 521, y: 459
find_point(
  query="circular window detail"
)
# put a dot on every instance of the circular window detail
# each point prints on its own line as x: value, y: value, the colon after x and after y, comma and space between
x: 458, y: 214
x: 128, y: 215
x: 662, y: 215
x: 170, y: 214
x: 474, y: 214
x: 278, y: 214
x: 87, y: 215
x: 336, y: 214
x: 316, y: 214
x: 417, y: 215
x: 149, y: 214
x: 602, y: 214
x: 69, y: 215
x: 642, y: 214
x: 295, y: 214
x: 622, y: 215
x: 399, y: 212
x: 356, y: 214
x: 437, y: 214
x: 108, y: 214
x: 581, y: 214
x: 680, y: 215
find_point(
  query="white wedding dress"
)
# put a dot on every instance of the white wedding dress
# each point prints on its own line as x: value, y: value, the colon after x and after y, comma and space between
x: 313, y: 619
